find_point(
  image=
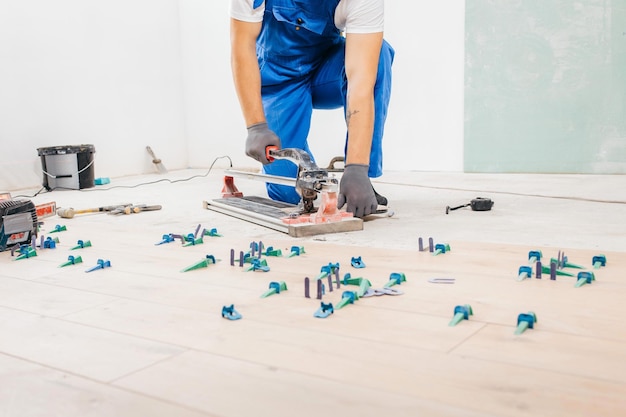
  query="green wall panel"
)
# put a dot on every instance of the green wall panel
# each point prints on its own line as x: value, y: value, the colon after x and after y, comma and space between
x: 545, y: 86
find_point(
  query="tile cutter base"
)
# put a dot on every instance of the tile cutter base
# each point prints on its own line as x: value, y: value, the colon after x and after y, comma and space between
x: 268, y: 213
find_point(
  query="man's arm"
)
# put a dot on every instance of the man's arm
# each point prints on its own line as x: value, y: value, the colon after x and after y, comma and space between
x: 355, y: 188
x: 245, y: 69
x: 362, y: 54
x: 247, y: 77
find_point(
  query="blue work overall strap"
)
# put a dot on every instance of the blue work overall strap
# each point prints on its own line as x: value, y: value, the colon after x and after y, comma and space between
x: 294, y: 42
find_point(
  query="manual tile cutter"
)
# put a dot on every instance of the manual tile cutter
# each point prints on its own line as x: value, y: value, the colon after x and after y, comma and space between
x: 310, y: 181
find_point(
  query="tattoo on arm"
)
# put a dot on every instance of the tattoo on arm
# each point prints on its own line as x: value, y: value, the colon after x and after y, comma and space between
x: 349, y: 115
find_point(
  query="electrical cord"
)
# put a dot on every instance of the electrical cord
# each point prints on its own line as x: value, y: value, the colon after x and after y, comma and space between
x: 167, y: 180
x: 590, y: 200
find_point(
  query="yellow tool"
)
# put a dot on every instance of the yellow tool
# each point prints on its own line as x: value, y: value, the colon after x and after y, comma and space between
x: 68, y: 213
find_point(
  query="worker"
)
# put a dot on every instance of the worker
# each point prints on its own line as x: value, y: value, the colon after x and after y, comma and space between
x: 289, y: 57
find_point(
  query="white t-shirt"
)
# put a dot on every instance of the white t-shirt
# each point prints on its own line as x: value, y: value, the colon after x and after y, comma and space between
x: 351, y: 16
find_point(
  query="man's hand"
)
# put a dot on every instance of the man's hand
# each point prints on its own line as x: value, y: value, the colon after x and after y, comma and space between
x: 356, y: 189
x: 259, y: 138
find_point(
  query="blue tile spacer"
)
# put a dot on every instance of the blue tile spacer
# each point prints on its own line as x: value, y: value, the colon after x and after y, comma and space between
x: 324, y: 311
x: 168, y: 238
x: 356, y: 262
x: 101, y: 264
x: 525, y: 271
x: 229, y: 312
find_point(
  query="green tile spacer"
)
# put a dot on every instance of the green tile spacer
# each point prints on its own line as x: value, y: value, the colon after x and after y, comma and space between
x: 583, y: 278
x: 270, y: 251
x: 191, y: 241
x: 204, y: 263
x: 461, y: 313
x: 362, y: 283
x: 258, y: 265
x: 296, y: 251
x: 58, y: 228
x: 72, y: 260
x: 27, y: 253
x: 396, y: 278
x: 275, y: 288
x: 81, y: 244
x: 441, y: 248
x: 565, y: 264
x: 525, y: 321
x: 327, y: 270
x: 348, y: 280
x: 546, y: 270
x: 348, y: 297
x: 598, y: 261
x: 212, y: 233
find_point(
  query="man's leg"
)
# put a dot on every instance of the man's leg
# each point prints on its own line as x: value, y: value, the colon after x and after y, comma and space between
x: 288, y: 111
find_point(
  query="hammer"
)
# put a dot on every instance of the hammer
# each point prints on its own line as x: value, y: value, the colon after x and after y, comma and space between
x: 68, y: 213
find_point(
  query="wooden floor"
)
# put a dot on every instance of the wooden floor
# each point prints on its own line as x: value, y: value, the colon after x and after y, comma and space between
x: 142, y: 338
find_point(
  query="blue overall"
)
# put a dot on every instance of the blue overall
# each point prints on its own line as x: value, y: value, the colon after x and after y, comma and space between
x: 301, y: 56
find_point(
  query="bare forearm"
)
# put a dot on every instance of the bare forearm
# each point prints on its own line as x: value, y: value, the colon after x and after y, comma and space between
x: 360, y: 122
x: 245, y: 70
x: 362, y: 52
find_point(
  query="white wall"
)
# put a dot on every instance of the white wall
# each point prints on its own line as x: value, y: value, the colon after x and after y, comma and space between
x: 124, y: 74
x: 106, y: 73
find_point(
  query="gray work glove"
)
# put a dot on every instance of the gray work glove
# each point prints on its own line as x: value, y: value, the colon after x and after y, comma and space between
x: 356, y: 189
x: 259, y: 138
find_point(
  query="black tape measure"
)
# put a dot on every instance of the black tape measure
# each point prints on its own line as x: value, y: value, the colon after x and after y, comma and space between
x: 477, y: 204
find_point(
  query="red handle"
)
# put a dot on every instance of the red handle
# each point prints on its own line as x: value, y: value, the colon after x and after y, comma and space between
x: 268, y: 149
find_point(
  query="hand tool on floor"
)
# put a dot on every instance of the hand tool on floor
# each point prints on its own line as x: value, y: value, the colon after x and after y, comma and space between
x: 69, y: 213
x: 477, y: 204
x: 156, y: 161
x: 135, y: 209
